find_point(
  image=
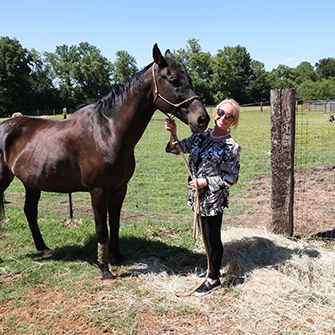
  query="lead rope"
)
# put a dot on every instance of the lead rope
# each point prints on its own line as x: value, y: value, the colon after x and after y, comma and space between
x: 197, y: 210
x: 197, y: 221
x: 197, y: 224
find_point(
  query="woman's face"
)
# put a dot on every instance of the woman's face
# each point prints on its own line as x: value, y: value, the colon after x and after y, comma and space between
x: 224, y: 116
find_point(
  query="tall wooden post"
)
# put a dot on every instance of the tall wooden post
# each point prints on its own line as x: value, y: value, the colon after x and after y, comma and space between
x: 283, y: 103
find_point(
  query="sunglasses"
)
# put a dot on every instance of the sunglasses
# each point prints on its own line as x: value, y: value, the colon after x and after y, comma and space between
x: 222, y: 112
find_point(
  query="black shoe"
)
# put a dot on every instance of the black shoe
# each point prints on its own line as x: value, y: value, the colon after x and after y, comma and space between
x: 206, y: 287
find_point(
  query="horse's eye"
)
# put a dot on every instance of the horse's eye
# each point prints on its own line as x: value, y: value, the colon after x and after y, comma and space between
x: 174, y: 81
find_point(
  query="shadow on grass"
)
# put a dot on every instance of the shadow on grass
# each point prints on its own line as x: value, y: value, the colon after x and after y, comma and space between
x: 325, y: 235
x: 142, y: 255
x: 240, y: 257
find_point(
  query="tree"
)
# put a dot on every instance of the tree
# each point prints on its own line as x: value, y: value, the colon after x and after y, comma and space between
x: 124, y: 67
x: 282, y: 77
x: 79, y: 72
x: 199, y: 67
x: 231, y: 74
x: 15, y: 86
x: 44, y: 95
x: 303, y: 72
x: 92, y: 73
x: 322, y: 89
x: 325, y: 68
x: 259, y: 85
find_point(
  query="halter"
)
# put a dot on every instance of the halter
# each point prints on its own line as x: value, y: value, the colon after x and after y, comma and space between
x: 158, y: 95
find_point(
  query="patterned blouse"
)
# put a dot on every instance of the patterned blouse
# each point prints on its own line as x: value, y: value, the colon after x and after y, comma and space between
x: 218, y: 160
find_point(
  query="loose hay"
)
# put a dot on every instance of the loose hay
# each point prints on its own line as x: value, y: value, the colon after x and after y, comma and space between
x: 274, y: 285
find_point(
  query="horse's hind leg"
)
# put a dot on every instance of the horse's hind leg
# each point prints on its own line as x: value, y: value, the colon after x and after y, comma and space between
x: 31, y: 212
x: 6, y: 178
x: 115, y: 202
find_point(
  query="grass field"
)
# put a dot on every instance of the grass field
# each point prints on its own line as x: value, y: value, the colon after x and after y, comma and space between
x: 64, y: 295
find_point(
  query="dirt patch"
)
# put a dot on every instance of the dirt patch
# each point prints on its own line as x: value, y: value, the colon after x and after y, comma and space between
x: 11, y: 278
x: 314, y: 207
x: 42, y: 309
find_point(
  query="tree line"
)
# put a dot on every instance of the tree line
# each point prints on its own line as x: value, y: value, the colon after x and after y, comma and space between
x: 72, y: 75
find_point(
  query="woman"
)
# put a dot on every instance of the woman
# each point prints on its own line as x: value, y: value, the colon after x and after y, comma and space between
x: 214, y: 164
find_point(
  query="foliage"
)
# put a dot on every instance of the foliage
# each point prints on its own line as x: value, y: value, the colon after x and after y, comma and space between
x: 231, y: 73
x: 15, y: 85
x: 303, y: 72
x: 79, y: 72
x: 44, y: 95
x: 326, y: 67
x: 259, y: 85
x: 198, y: 64
x: 76, y: 74
x: 282, y: 77
x: 322, y: 89
x: 124, y: 67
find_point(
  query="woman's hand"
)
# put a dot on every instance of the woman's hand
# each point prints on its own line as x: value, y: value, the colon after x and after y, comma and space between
x: 197, y: 184
x: 170, y: 125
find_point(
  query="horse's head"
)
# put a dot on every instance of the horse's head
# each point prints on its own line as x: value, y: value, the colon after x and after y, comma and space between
x: 173, y: 92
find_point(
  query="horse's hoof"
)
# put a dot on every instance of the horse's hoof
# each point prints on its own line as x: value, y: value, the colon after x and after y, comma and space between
x: 47, y: 253
x: 107, y: 275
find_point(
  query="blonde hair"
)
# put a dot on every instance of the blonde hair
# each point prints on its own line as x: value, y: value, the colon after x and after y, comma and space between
x: 236, y: 110
x: 16, y: 114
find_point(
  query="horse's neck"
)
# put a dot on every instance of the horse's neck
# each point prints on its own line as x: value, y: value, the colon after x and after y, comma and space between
x: 129, y: 122
x: 136, y: 121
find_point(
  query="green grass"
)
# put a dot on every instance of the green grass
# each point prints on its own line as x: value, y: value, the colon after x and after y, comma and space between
x: 156, y: 221
x: 158, y: 190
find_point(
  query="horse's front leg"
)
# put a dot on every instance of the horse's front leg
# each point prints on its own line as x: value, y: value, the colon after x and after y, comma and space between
x: 99, y: 205
x: 31, y: 212
x: 115, y: 202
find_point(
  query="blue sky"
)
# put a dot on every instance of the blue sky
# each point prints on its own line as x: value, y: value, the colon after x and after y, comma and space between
x: 273, y: 32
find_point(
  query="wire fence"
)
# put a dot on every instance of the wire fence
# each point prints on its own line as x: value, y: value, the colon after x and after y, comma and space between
x: 315, y: 168
x: 158, y: 188
x: 250, y: 201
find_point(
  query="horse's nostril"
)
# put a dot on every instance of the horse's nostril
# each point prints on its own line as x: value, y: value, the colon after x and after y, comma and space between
x: 203, y: 120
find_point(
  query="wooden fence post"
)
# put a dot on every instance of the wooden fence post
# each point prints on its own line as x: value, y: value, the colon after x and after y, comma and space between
x: 283, y: 103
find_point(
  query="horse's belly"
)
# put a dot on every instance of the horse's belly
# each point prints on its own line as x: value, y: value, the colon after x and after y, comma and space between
x: 58, y: 177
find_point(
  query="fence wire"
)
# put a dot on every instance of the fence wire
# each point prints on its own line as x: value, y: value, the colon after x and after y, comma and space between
x: 314, y: 196
x: 158, y: 188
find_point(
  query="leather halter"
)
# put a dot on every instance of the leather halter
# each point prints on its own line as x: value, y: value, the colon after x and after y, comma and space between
x: 158, y: 95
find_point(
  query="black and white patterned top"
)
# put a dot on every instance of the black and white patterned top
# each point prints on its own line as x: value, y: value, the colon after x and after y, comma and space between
x: 218, y: 160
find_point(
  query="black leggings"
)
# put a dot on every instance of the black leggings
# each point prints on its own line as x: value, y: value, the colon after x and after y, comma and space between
x: 213, y: 244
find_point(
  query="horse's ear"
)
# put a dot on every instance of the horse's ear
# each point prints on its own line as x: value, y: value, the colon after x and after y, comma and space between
x: 158, y: 57
x: 169, y: 54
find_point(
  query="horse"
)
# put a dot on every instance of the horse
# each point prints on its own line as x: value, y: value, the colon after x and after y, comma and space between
x: 93, y: 151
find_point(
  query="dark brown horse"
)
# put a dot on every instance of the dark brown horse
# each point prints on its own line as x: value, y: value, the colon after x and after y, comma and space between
x: 93, y: 151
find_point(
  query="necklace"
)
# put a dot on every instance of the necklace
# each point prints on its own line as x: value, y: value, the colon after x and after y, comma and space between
x: 219, y: 137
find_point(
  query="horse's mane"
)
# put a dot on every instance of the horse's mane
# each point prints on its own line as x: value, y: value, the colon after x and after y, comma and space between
x: 119, y: 93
